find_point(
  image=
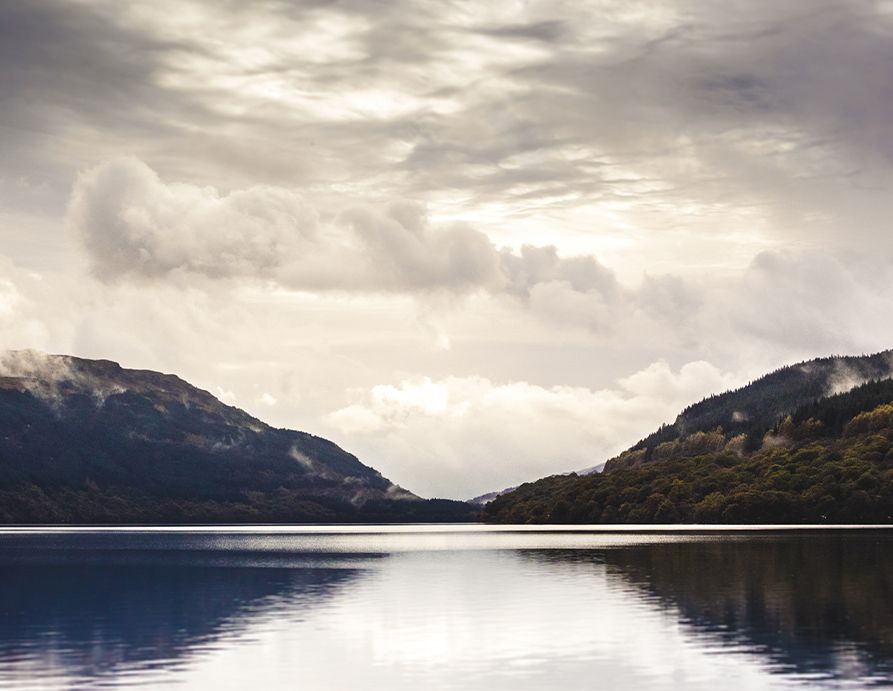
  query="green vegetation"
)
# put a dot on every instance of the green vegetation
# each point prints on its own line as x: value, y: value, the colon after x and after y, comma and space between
x: 754, y: 408
x: 90, y: 504
x: 830, y: 461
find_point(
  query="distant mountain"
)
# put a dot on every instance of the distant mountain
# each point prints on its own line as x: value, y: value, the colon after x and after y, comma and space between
x: 812, y: 442
x: 89, y: 441
x: 599, y: 468
x: 482, y: 499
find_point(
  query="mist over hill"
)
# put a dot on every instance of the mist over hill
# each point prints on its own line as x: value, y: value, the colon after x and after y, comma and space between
x: 752, y: 409
x: 89, y: 441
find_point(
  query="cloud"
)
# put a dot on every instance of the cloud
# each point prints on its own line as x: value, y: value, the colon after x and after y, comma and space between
x: 77, y: 79
x: 132, y: 224
x: 29, y: 307
x: 463, y: 436
x: 142, y: 231
x: 542, y: 265
x: 43, y: 374
x: 812, y: 299
x: 582, y: 122
x: 32, y: 364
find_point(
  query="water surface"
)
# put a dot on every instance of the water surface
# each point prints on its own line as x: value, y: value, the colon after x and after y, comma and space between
x: 455, y: 607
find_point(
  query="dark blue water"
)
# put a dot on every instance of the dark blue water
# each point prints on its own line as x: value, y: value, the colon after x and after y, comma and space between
x: 468, y: 608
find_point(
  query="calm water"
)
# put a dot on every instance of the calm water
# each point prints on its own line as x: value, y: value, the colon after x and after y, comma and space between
x: 444, y: 608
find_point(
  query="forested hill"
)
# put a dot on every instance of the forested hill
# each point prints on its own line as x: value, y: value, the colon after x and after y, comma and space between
x: 754, y: 408
x: 88, y: 441
x: 811, y: 459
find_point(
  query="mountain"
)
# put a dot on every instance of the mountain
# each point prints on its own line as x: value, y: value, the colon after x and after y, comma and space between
x: 482, y: 499
x: 598, y: 468
x: 752, y: 409
x: 809, y: 443
x: 89, y: 441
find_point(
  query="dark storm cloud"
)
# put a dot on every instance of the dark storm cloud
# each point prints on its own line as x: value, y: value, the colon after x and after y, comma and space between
x: 67, y: 67
x: 66, y: 55
x: 722, y: 102
x: 686, y: 102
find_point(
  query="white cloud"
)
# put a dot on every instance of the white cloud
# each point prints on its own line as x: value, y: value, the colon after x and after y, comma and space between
x: 134, y: 225
x: 462, y: 436
x: 224, y: 395
x: 131, y: 223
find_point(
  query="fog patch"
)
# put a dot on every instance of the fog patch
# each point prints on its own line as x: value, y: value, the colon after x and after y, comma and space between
x: 303, y: 459
x: 844, y: 378
x: 397, y: 493
x: 47, y: 376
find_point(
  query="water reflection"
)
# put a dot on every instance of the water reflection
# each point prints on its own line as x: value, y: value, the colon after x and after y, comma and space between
x: 86, y: 613
x: 819, y: 607
x: 445, y: 611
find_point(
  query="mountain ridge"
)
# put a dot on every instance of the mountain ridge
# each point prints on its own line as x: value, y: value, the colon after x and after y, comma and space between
x: 79, y: 436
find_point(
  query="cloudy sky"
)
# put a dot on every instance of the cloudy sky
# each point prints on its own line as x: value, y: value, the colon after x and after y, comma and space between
x: 473, y: 243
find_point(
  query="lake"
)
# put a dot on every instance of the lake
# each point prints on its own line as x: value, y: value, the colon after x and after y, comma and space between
x: 445, y: 607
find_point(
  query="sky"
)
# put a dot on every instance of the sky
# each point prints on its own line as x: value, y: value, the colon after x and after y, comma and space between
x: 472, y: 243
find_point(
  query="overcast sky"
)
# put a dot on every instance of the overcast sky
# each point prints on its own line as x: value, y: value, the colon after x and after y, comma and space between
x: 473, y: 243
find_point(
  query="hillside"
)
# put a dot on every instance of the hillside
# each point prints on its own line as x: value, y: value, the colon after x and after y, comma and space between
x: 803, y: 457
x: 89, y: 441
x: 752, y: 409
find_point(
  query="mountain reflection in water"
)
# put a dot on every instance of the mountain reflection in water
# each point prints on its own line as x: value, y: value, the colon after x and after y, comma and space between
x: 463, y: 609
x: 815, y: 607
